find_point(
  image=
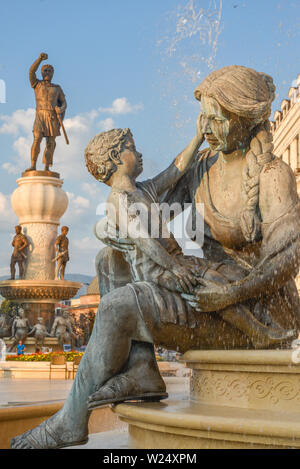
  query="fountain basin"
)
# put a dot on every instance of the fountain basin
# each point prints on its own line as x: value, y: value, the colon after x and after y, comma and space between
x: 238, y: 399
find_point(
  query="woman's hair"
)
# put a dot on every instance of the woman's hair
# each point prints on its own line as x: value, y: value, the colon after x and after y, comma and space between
x: 249, y: 95
x: 102, y: 155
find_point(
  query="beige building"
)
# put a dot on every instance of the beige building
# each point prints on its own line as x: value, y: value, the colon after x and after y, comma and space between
x: 286, y: 133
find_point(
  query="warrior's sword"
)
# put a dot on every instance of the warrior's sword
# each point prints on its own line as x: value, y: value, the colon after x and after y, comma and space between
x: 61, y: 254
x: 62, y: 126
x: 63, y: 129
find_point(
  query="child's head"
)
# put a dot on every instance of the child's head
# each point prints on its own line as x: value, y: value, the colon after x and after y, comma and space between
x: 111, y: 152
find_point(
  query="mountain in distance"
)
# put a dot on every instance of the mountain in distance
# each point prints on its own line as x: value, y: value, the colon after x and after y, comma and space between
x: 85, y: 279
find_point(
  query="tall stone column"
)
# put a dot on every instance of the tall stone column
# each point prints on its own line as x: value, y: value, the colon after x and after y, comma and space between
x: 298, y: 190
x: 39, y: 203
x: 294, y: 154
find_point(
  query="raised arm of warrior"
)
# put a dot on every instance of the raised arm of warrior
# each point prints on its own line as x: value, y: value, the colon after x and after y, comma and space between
x: 32, y: 75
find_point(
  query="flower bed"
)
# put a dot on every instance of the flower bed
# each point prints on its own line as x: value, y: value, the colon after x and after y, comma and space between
x: 43, y: 357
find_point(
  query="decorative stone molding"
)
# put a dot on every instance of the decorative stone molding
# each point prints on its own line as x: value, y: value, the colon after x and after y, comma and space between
x: 238, y: 399
x: 27, y: 290
x: 265, y: 379
x: 39, y: 199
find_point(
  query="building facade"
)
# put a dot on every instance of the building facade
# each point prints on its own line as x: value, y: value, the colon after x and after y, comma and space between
x: 285, y: 128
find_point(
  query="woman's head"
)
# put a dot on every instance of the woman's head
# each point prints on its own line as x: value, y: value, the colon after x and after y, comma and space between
x: 234, y: 101
x: 113, y: 151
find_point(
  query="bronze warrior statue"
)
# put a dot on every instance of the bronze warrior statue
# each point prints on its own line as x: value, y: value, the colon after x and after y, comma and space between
x: 50, y: 110
x: 62, y: 248
x: 19, y: 243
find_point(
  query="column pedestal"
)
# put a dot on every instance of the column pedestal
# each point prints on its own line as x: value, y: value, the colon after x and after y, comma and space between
x: 39, y: 202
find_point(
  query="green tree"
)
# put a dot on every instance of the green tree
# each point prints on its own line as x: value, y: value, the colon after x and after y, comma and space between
x: 7, y: 306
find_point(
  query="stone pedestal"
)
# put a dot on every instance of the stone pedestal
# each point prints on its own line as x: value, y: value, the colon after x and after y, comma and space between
x: 38, y: 297
x: 39, y: 202
x: 30, y: 344
x: 238, y: 399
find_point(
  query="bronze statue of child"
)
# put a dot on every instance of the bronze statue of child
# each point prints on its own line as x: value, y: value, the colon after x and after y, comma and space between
x: 133, y: 215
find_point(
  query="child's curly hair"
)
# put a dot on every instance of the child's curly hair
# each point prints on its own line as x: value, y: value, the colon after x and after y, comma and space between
x: 102, y: 155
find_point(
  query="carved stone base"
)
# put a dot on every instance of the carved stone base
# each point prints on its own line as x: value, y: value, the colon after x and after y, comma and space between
x: 38, y: 291
x: 38, y: 297
x: 31, y: 173
x: 238, y: 399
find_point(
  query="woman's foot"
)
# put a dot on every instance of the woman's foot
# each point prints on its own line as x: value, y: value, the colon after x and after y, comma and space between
x: 53, y: 433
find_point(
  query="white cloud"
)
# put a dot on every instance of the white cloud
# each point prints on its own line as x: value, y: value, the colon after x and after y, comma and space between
x: 122, y: 106
x: 77, y: 204
x: 8, y: 218
x: 107, y: 124
x: 86, y: 243
x: 20, y: 121
x: 90, y: 188
x: 10, y: 168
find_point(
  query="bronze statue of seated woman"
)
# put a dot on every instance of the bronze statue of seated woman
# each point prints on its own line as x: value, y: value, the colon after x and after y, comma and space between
x: 251, y: 239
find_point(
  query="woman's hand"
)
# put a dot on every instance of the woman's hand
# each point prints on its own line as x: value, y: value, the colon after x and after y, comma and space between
x: 185, y: 277
x: 210, y: 297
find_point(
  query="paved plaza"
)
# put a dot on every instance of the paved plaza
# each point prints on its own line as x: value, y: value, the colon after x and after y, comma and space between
x: 15, y: 392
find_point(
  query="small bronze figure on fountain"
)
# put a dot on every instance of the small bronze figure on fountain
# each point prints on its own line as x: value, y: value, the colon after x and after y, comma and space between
x: 20, y: 329
x: 19, y: 243
x: 39, y: 332
x: 62, y: 329
x: 50, y: 110
x: 62, y: 248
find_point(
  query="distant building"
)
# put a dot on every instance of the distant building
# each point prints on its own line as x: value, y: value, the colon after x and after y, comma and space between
x: 286, y: 133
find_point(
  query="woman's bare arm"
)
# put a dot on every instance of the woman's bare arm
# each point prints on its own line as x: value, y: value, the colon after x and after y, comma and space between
x: 180, y: 165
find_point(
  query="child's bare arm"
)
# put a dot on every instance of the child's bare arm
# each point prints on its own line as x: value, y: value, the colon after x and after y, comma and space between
x: 181, y: 164
x: 134, y: 223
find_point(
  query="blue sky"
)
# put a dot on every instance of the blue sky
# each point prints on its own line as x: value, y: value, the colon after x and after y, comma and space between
x: 126, y: 63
